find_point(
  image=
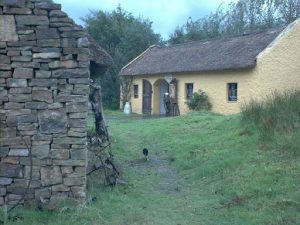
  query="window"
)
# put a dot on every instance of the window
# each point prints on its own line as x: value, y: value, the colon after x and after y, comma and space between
x: 136, y: 91
x: 189, y: 90
x: 232, y: 92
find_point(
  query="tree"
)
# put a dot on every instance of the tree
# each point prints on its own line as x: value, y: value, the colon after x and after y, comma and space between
x: 244, y: 16
x: 124, y: 37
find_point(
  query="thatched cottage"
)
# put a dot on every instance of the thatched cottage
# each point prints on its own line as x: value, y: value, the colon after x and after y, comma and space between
x: 46, y: 61
x: 232, y: 71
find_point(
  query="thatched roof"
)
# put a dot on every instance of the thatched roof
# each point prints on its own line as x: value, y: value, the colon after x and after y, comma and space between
x: 98, y: 55
x: 221, y: 54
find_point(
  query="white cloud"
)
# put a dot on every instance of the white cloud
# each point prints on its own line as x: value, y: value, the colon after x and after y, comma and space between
x: 165, y: 14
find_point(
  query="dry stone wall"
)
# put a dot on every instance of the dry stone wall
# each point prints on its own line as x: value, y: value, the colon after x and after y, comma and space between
x: 44, y: 87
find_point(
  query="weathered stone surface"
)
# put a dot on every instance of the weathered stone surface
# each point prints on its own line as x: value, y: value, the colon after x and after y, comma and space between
x: 25, y: 65
x: 5, y: 74
x: 42, y: 74
x: 51, y: 175
x: 19, y: 152
x: 8, y: 28
x: 24, y: 90
x: 43, y: 96
x: 40, y: 151
x: 2, y: 192
x: 25, y: 73
x: 78, y: 115
x: 49, y: 43
x: 57, y: 13
x: 69, y: 162
x: 55, y: 105
x: 43, y: 82
x: 5, y: 59
x: 79, y: 81
x: 27, y: 126
x: 52, y: 121
x: 49, y: 55
x: 78, y: 192
x: 43, y: 192
x: 36, y: 105
x: 60, y: 153
x: 17, y: 3
x: 66, y: 170
x: 60, y: 188
x: 69, y: 43
x: 17, y: 11
x: 12, y: 171
x: 19, y: 97
x: 83, y: 42
x: 78, y: 154
x: 71, y: 73
x: 76, y: 107
x: 69, y: 64
x: 48, y: 5
x: 77, y: 123
x: 48, y: 33
x: 4, y: 151
x: 8, y: 132
x: 70, y: 98
x: 5, y: 181
x: 72, y: 133
x: 21, y: 58
x: 74, y: 181
x: 76, y: 51
x: 16, y: 82
x: 14, y: 105
x: 35, y: 172
x: 40, y: 12
x: 32, y: 20
x: 13, y: 53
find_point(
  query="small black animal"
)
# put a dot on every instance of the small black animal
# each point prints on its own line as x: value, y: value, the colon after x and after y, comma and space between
x: 145, y: 153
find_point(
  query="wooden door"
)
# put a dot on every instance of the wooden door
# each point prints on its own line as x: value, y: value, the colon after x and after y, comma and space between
x: 147, y: 97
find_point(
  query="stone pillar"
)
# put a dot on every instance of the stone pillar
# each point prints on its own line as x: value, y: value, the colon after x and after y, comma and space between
x: 44, y: 88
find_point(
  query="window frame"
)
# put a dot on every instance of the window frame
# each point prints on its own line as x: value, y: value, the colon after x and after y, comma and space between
x: 187, y: 94
x: 135, y: 91
x: 232, y: 92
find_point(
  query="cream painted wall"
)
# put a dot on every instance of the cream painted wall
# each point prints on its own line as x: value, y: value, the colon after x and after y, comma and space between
x: 277, y: 69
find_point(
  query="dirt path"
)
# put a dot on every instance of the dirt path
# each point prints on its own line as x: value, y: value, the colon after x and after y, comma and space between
x: 169, y: 181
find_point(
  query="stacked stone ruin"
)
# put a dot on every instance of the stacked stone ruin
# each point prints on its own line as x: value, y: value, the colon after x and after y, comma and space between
x: 44, y: 87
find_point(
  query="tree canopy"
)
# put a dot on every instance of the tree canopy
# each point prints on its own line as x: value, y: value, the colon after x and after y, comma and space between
x: 244, y: 16
x: 124, y: 37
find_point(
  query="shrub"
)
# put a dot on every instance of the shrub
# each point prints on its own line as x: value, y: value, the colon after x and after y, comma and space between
x: 199, y: 101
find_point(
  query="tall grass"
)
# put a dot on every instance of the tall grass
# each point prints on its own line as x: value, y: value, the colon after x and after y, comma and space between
x: 277, y: 118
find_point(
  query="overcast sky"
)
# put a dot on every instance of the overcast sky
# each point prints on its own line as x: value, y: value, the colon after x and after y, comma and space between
x: 165, y: 14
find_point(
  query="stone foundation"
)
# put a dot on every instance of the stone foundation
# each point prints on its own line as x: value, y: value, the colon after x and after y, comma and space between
x: 44, y: 87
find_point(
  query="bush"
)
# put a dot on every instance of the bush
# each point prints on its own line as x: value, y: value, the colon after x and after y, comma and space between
x: 199, y: 101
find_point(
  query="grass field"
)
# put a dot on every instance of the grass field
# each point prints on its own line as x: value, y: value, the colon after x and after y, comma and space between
x: 203, y: 169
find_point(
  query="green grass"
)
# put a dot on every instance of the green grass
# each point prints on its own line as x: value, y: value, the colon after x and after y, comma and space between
x: 225, y: 172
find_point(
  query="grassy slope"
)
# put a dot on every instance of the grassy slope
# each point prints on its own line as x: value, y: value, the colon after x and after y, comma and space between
x: 226, y: 177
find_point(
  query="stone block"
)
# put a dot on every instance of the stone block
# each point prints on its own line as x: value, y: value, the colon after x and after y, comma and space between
x: 76, y: 107
x: 11, y: 82
x: 42, y: 192
x: 8, y: 132
x: 21, y: 58
x: 66, y: 170
x: 51, y: 175
x: 36, y: 105
x: 17, y: 11
x: 16, y: 3
x: 4, y: 151
x: 43, y: 82
x: 69, y: 162
x: 42, y: 73
x: 8, y: 28
x: 55, y: 105
x: 11, y: 160
x: 48, y: 33
x: 69, y: 43
x: 32, y: 20
x: 27, y: 126
x: 83, y: 42
x: 49, y: 43
x: 77, y: 123
x: 69, y: 64
x: 25, y: 73
x: 13, y: 53
x: 19, y: 152
x: 48, y: 6
x: 20, y: 97
x: 71, y: 73
x: 5, y: 74
x: 35, y: 172
x: 5, y: 59
x: 60, y: 188
x: 5, y: 181
x: 40, y: 12
x: 13, y: 105
x: 76, y: 51
x: 52, y: 121
x: 32, y: 118
x: 43, y: 96
x: 40, y: 151
x: 22, y: 90
x: 47, y: 55
x: 2, y: 192
x: 78, y: 154
x: 70, y: 98
x: 78, y: 115
x: 74, y: 181
x: 10, y: 170
x: 60, y: 153
x: 79, y: 81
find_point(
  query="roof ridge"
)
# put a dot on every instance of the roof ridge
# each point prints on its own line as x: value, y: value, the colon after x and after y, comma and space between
x: 225, y: 38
